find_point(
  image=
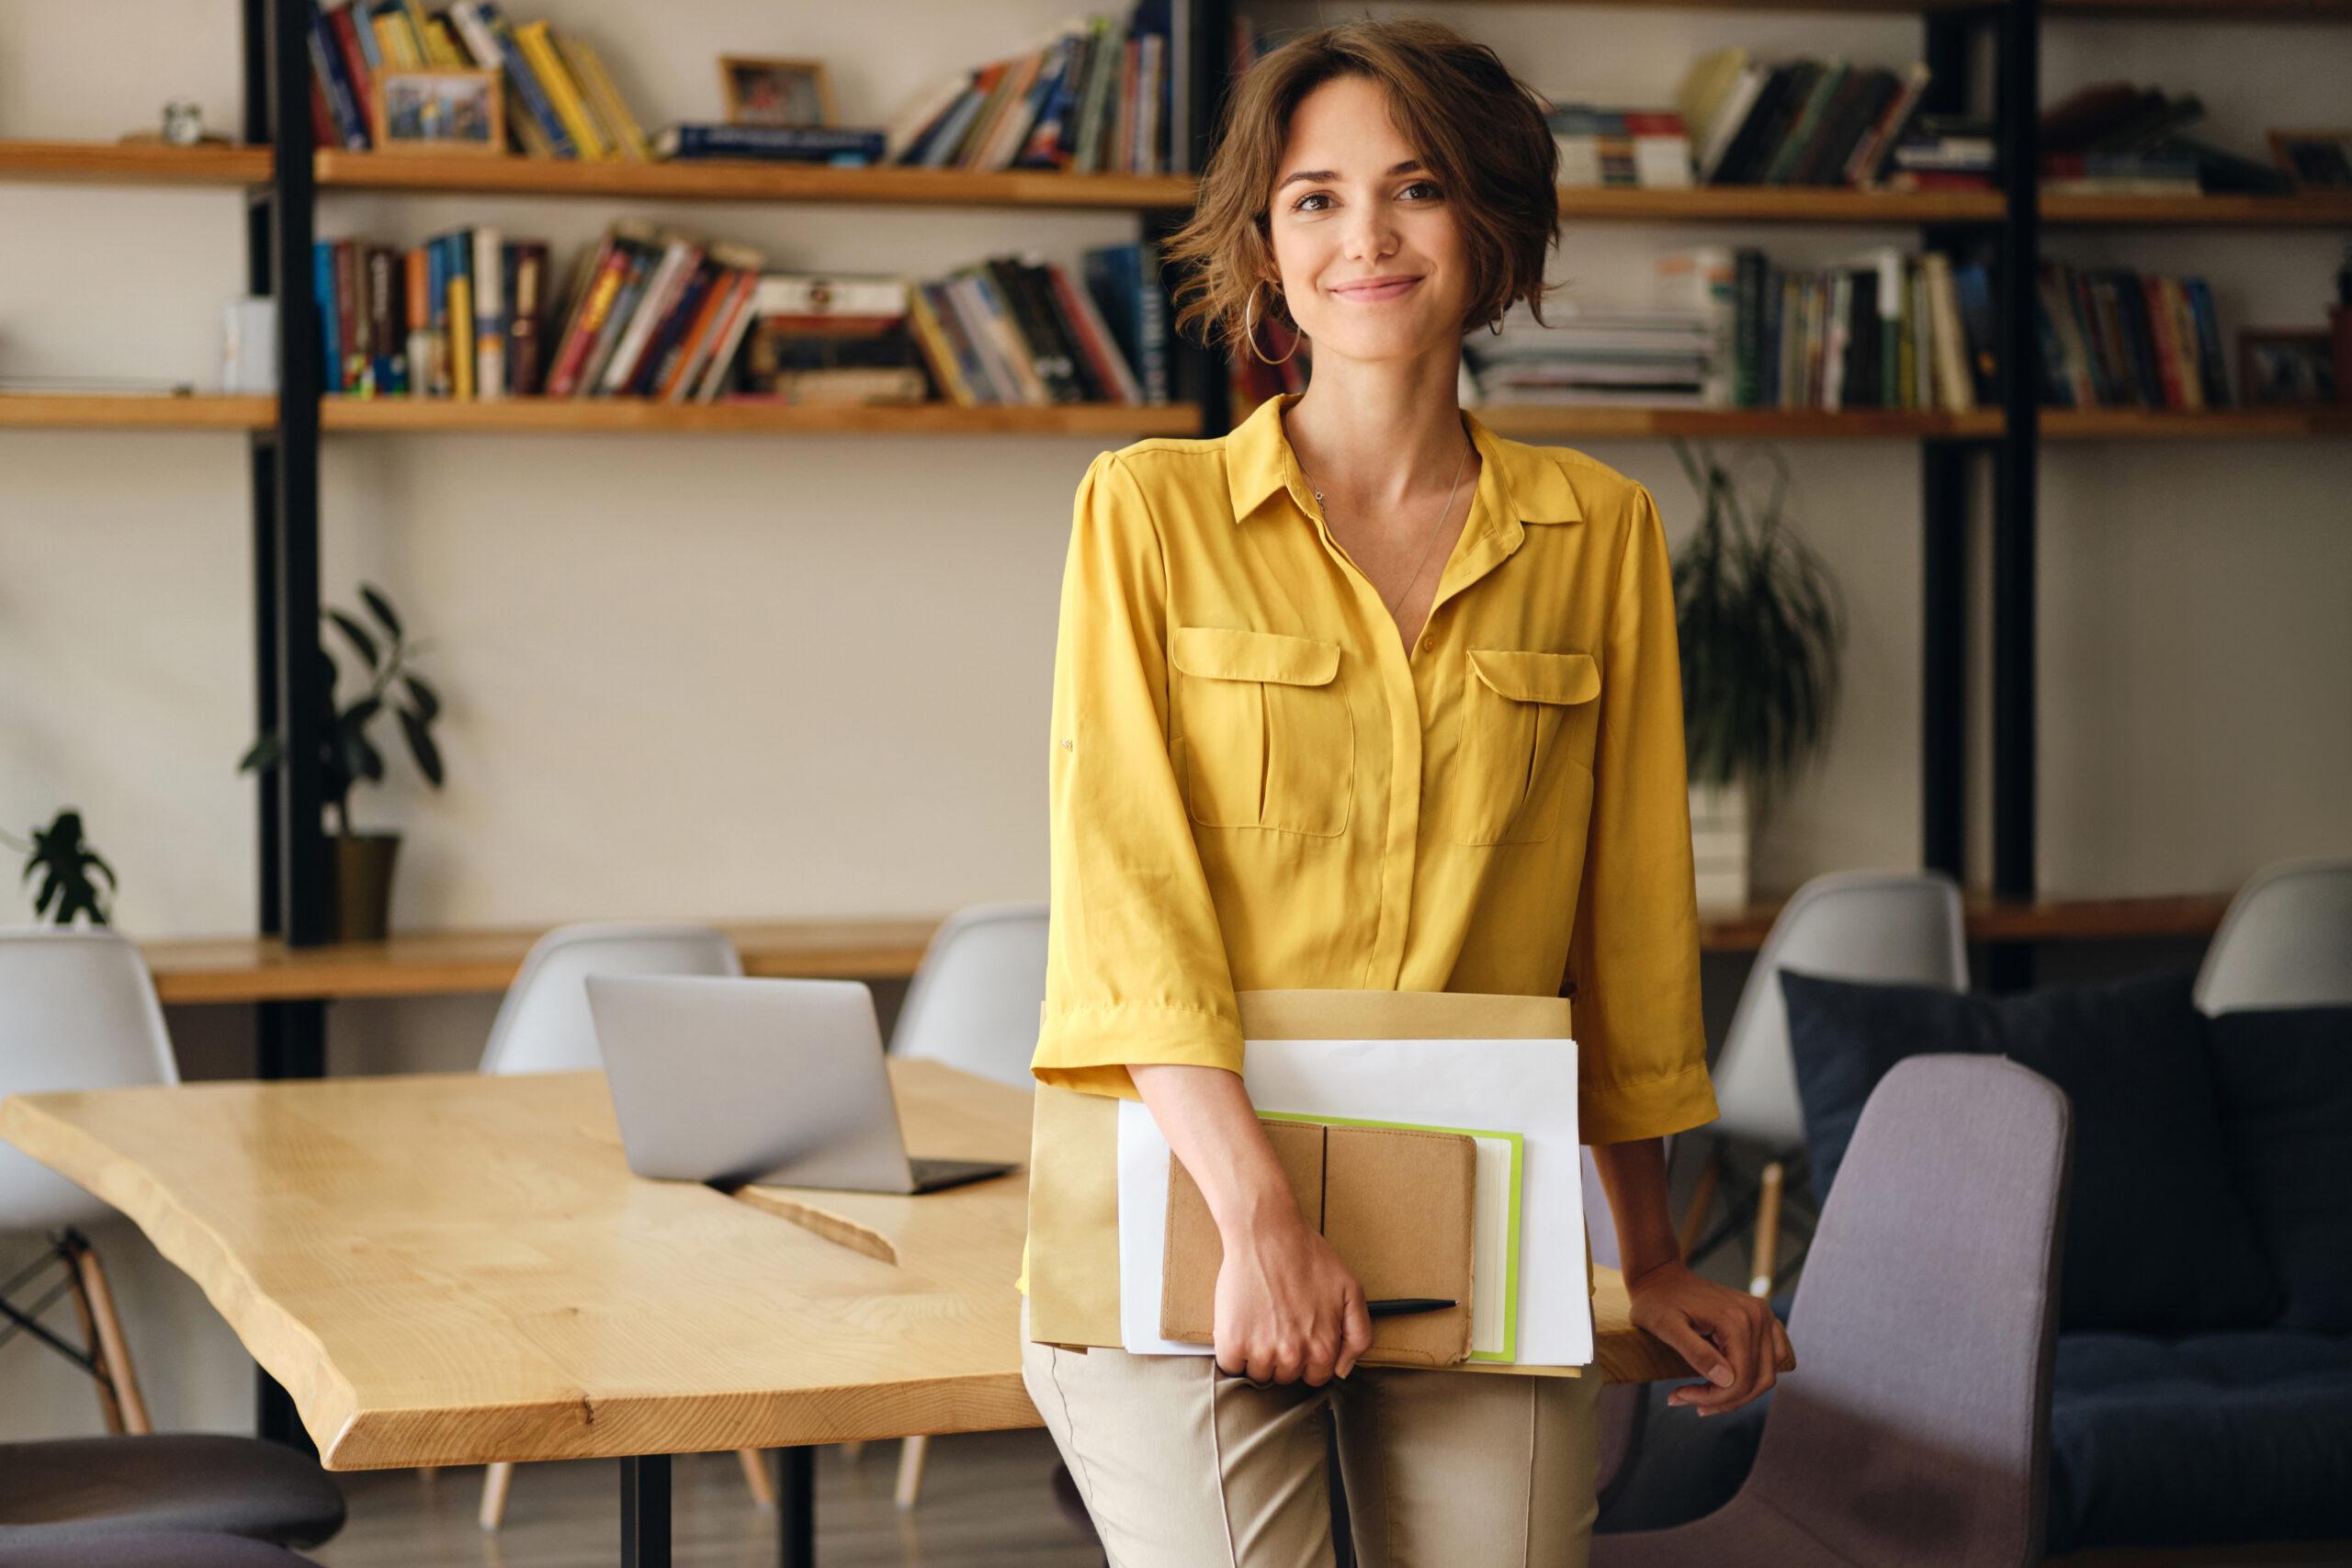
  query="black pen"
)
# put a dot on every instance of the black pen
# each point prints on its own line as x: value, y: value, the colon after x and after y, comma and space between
x: 1397, y: 1306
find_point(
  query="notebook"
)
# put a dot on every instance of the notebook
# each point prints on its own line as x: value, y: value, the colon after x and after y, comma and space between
x: 1397, y: 1204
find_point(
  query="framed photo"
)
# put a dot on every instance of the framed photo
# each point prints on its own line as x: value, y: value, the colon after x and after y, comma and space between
x: 2320, y: 160
x: 775, y: 92
x: 440, y: 111
x: 2291, y: 369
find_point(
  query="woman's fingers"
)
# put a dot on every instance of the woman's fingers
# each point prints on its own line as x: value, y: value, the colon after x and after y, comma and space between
x: 1355, y: 1330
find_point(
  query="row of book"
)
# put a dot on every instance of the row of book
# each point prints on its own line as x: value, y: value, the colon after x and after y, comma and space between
x: 1727, y: 329
x: 2112, y: 137
x: 662, y: 314
x: 2114, y: 338
x: 1803, y: 121
x: 1099, y: 95
x: 560, y: 101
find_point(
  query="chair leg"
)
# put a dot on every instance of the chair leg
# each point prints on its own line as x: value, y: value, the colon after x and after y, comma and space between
x: 109, y: 1407
x: 1766, y: 1257
x: 496, y: 1479
x: 911, y: 1457
x: 757, y: 1477
x: 854, y: 1450
x: 1703, y: 1198
x: 115, y: 1350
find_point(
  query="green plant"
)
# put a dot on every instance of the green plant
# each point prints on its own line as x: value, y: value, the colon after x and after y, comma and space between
x: 1757, y: 619
x: 65, y: 860
x: 347, y: 755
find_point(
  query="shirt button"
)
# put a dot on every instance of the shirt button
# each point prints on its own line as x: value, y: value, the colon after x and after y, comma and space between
x: 1066, y: 745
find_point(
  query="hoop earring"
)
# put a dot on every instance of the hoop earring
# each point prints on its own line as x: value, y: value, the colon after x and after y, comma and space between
x: 1249, y: 327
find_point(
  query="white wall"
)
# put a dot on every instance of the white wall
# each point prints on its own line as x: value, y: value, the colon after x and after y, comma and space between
x: 771, y: 677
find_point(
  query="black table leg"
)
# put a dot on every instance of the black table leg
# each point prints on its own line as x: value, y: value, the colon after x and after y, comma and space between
x: 645, y: 1512
x: 796, y: 1507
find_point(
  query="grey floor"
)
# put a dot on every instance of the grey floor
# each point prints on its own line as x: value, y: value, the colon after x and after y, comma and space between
x: 987, y: 1500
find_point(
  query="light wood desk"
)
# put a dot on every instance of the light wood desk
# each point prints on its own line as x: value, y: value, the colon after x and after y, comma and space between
x: 454, y: 1268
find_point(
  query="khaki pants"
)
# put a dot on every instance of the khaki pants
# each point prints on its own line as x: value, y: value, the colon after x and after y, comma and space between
x: 1183, y: 1467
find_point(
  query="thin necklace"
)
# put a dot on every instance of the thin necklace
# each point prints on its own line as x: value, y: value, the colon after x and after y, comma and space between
x: 1435, y: 529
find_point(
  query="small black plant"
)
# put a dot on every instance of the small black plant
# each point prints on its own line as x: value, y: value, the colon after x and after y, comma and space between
x: 66, y: 860
x: 347, y: 756
x: 1759, y: 628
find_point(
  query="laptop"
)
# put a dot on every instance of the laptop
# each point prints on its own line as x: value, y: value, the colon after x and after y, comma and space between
x: 729, y: 1081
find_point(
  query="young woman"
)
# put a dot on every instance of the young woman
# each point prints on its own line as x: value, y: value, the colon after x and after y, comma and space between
x: 1363, y: 695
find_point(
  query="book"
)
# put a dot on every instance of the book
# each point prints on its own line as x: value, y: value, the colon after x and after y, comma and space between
x: 563, y: 95
x: 487, y: 278
x: 526, y: 265
x: 620, y: 127
x: 796, y: 144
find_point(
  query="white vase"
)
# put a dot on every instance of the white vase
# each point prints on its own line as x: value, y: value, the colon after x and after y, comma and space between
x: 1719, y: 844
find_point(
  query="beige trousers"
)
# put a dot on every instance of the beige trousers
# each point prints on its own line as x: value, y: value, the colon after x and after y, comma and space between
x: 1183, y: 1467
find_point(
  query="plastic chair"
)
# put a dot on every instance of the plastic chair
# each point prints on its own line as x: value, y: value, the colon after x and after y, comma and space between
x: 544, y: 1026
x: 1915, y: 1428
x: 1888, y: 927
x: 2285, y: 942
x: 973, y: 1004
x: 81, y: 1013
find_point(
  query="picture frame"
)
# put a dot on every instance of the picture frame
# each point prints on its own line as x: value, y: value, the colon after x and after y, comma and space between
x: 2319, y: 160
x: 2281, y: 367
x: 440, y: 111
x: 763, y: 91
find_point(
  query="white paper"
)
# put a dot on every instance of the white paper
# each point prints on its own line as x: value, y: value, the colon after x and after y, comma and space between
x: 1528, y: 1086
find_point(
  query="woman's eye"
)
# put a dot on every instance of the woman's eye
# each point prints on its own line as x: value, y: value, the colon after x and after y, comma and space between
x: 1428, y: 186
x: 1300, y: 205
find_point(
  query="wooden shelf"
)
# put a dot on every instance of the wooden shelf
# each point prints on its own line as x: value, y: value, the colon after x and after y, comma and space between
x: 639, y: 415
x: 2001, y: 920
x: 87, y: 411
x: 132, y: 163
x: 2169, y: 424
x: 2304, y: 209
x: 715, y: 180
x: 2204, y: 10
x: 259, y: 969
x: 1776, y: 203
x: 1546, y: 422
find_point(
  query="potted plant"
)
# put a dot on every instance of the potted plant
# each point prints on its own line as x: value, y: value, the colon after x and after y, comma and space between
x: 1758, y: 620
x: 362, y: 862
x: 65, y: 860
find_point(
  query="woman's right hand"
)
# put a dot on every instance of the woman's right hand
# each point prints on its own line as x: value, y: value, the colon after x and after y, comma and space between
x: 1288, y: 1310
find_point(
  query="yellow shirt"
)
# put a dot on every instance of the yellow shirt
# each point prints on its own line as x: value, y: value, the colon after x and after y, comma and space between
x: 1255, y: 784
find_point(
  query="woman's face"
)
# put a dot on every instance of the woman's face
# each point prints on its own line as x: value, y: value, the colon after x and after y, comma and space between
x: 1370, y: 254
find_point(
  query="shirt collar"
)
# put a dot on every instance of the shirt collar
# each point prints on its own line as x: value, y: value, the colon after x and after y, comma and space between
x: 1258, y: 464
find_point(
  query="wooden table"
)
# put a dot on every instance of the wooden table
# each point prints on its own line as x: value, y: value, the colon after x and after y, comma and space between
x: 454, y: 1268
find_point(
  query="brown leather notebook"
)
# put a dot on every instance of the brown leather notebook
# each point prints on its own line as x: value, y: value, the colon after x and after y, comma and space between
x: 1395, y: 1202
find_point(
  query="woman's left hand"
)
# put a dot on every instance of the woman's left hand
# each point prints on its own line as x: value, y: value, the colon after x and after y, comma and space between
x: 1730, y: 1338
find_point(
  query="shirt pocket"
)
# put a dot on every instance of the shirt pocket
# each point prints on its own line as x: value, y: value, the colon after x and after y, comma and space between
x: 1517, y: 706
x: 1267, y: 740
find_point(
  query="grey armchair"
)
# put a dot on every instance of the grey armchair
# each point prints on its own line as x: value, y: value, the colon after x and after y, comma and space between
x: 1914, y: 1431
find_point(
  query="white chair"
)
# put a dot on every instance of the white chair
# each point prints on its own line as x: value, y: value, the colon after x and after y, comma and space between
x: 1881, y: 927
x: 2285, y: 942
x: 973, y: 1004
x: 544, y: 1026
x: 77, y: 1010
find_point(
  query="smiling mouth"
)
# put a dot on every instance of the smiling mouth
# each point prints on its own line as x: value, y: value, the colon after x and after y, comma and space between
x: 1373, y: 293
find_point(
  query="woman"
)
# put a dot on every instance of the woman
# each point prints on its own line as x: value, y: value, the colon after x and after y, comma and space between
x: 1361, y: 696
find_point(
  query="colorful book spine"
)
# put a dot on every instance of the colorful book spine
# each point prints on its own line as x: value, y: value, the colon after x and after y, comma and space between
x: 422, y: 370
x: 563, y: 94
x: 527, y: 313
x: 818, y: 144
x: 620, y: 127
x: 488, y: 276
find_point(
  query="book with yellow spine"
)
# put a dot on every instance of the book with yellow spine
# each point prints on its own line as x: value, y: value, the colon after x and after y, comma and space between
x: 461, y: 335
x: 621, y: 131
x: 441, y: 46
x: 538, y: 48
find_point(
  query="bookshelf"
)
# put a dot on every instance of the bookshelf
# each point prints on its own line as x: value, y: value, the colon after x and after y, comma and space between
x: 287, y: 179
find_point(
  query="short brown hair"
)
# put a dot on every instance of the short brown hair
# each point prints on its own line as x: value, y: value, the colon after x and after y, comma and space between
x: 1482, y: 133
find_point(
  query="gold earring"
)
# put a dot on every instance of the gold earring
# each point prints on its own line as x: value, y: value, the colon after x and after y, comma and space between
x: 1249, y: 327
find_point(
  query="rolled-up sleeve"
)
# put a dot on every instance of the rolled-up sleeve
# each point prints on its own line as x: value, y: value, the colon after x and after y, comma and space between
x: 1633, y: 954
x: 1136, y: 967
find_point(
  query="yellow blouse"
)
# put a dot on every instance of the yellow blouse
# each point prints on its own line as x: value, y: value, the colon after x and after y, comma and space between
x: 1255, y: 784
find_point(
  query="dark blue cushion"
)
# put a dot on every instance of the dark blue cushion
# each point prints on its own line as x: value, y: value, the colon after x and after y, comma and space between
x: 2285, y: 1081
x: 2222, y: 1437
x: 2157, y: 1240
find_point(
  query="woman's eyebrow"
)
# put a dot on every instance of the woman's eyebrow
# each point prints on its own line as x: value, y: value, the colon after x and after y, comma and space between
x: 1407, y: 168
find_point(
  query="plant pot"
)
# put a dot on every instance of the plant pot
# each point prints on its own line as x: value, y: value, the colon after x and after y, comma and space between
x: 1719, y: 844
x: 363, y: 885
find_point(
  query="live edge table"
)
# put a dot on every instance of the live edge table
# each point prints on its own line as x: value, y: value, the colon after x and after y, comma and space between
x: 455, y: 1270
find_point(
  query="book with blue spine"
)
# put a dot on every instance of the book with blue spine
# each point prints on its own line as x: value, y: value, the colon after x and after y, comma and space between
x: 793, y: 143
x: 323, y: 289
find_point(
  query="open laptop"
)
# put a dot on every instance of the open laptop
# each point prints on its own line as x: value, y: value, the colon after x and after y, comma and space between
x: 731, y: 1081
